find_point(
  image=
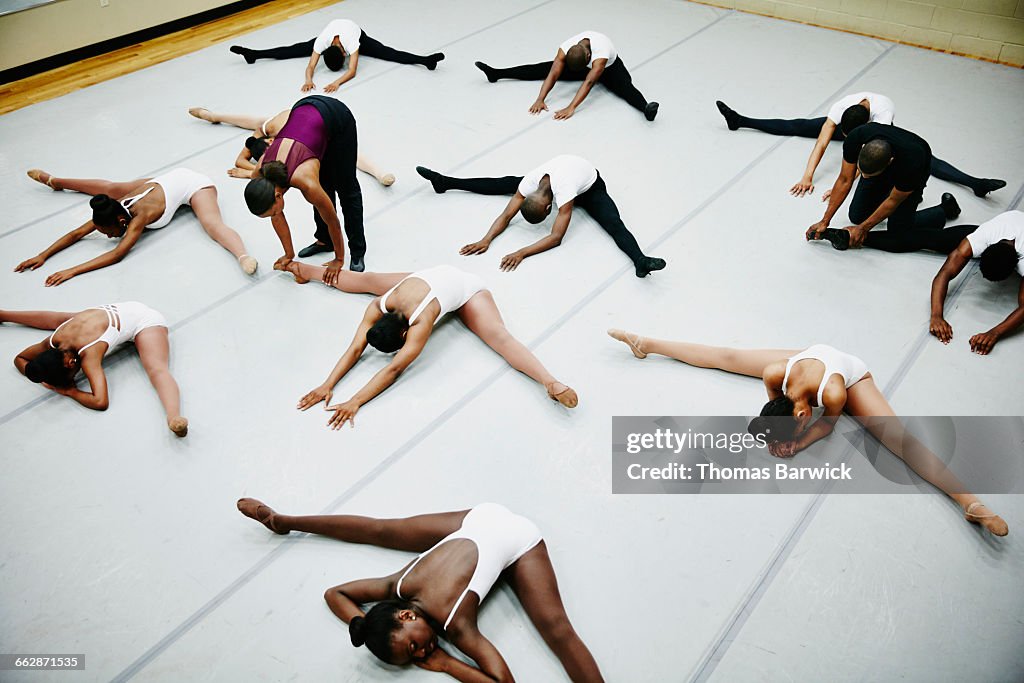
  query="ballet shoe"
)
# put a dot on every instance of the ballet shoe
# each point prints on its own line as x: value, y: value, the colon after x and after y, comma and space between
x: 314, y: 249
x: 37, y: 175
x: 292, y: 268
x: 178, y: 425
x: 432, y: 60
x: 239, y: 50
x: 837, y: 237
x: 633, y: 343
x: 989, y: 185
x: 248, y: 264
x: 651, y: 110
x: 949, y: 206
x: 250, y: 507
x: 992, y: 522
x: 388, y: 180
x: 567, y: 397
x: 197, y: 112
x: 356, y: 264
x: 488, y: 71
x: 649, y: 264
x: 435, y: 178
x: 731, y: 117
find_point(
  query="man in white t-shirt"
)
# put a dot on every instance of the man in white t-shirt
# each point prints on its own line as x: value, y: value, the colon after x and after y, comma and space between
x: 565, y: 182
x: 589, y: 57
x: 339, y: 40
x: 842, y: 118
x: 999, y: 244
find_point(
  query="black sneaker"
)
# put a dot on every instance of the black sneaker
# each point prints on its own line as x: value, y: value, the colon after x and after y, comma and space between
x: 648, y: 264
x: 314, y: 249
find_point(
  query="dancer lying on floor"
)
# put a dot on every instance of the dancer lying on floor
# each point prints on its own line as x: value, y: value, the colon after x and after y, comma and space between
x: 999, y: 244
x: 264, y: 130
x: 439, y: 593
x: 796, y: 382
x: 124, y: 210
x: 401, y: 320
x: 81, y: 340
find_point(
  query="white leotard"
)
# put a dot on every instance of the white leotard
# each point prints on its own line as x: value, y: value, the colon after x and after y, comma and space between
x: 124, y: 322
x: 501, y: 538
x: 850, y: 368
x: 179, y: 185
x: 450, y: 286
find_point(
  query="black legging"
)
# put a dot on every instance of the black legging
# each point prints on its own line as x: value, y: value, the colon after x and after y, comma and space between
x: 368, y: 47
x: 615, y: 77
x: 901, y: 241
x: 811, y: 128
x: 338, y: 172
x: 870, y: 194
x: 595, y: 201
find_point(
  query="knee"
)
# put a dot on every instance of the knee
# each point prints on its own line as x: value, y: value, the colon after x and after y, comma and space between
x: 556, y: 629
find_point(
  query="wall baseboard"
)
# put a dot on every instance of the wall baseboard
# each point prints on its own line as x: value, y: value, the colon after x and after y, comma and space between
x: 63, y: 59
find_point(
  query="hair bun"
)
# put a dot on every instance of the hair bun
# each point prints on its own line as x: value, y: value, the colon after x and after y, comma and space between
x: 759, y: 426
x: 100, y: 201
x: 357, y: 631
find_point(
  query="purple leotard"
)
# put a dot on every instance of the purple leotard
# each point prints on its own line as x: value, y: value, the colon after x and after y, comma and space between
x: 308, y: 132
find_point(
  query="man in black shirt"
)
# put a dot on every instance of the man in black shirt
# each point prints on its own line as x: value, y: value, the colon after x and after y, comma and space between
x: 894, y: 165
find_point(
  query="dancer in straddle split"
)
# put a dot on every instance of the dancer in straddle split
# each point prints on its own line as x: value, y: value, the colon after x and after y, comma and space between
x: 339, y: 40
x: 999, y: 244
x: 264, y: 130
x: 125, y: 210
x: 843, y: 117
x: 81, y: 340
x: 566, y: 181
x: 589, y: 57
x: 401, y: 318
x: 439, y: 593
x: 799, y: 380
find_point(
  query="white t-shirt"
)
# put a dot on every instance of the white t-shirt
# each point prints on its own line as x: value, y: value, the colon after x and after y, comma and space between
x: 600, y: 47
x: 570, y: 176
x: 881, y: 108
x: 347, y: 31
x: 1005, y: 226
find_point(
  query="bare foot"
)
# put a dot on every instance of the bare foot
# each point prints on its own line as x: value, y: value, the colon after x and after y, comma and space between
x: 293, y: 268
x: 202, y: 113
x: 634, y: 341
x: 566, y: 396
x: 264, y: 514
x: 248, y: 264
x: 178, y: 425
x: 43, y: 177
x: 388, y: 180
x: 979, y: 513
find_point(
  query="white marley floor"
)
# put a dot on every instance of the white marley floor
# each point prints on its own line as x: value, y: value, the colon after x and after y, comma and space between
x: 123, y: 543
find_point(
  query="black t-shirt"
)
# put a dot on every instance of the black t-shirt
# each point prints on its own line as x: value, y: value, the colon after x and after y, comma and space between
x: 912, y: 157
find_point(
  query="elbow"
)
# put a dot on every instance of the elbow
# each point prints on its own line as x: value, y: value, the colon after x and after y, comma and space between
x: 101, y: 405
x: 556, y: 240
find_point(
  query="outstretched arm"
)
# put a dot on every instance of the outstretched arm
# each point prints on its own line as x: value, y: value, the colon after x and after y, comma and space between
x: 60, y: 245
x: 511, y: 261
x: 556, y: 70
x: 497, y: 227
x: 315, y: 195
x: 840, y: 190
x: 310, y: 67
x: 346, y: 362
x: 115, y: 255
x: 806, y: 184
x: 581, y: 94
x: 954, y: 265
x: 349, y: 74
x: 983, y: 342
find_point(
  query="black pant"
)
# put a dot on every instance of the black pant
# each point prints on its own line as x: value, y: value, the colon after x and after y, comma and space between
x: 870, y: 194
x: 615, y: 77
x: 368, y: 47
x: 338, y: 172
x: 595, y: 201
x: 900, y: 241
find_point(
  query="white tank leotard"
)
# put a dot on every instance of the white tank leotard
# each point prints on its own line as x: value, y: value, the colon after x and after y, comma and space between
x: 124, y: 322
x: 179, y: 185
x: 450, y: 286
x: 850, y: 368
x: 501, y: 538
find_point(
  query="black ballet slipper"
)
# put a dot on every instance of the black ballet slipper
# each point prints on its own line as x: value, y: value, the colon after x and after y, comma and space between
x: 314, y: 249
x: 431, y: 61
x: 989, y: 185
x: 731, y: 117
x: 435, y: 178
x: 837, y: 237
x: 488, y: 71
x: 949, y: 206
x: 245, y: 52
x: 649, y: 264
x: 651, y: 110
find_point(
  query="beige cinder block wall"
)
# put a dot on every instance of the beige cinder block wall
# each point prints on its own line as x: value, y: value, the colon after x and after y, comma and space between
x: 64, y: 25
x: 989, y: 29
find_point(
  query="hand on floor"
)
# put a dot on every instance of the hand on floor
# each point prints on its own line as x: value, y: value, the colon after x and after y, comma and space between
x: 308, y: 85
x: 475, y: 248
x: 59, y: 277
x: 564, y: 113
x: 511, y: 262
x: 321, y: 393
x: 804, y: 187
x: 983, y: 342
x: 538, y: 106
x: 343, y: 412
x: 29, y: 264
x: 941, y: 330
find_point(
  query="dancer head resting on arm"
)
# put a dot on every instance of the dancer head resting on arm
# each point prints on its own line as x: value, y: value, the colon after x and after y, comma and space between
x: 123, y: 210
x: 438, y: 594
x: 820, y: 376
x: 401, y: 319
x: 81, y: 340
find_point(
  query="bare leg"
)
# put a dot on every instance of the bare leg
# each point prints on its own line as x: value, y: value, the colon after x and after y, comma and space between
x: 367, y: 166
x: 95, y: 186
x: 481, y: 316
x: 348, y: 281
x: 41, y: 320
x: 247, y: 121
x: 204, y: 204
x: 413, y: 534
x: 750, y: 362
x: 866, y: 403
x: 154, y: 350
x: 532, y: 578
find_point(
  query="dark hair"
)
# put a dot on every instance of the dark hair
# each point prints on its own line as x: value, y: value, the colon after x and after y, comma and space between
x: 874, y: 156
x: 998, y: 261
x: 534, y: 210
x: 776, y: 421
x: 256, y: 146
x: 576, y: 58
x: 334, y: 58
x: 855, y: 115
x: 388, y: 334
x: 375, y: 629
x: 260, y: 192
x: 48, y: 367
x: 105, y: 211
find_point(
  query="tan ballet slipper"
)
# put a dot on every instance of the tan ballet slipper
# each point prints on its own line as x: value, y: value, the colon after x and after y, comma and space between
x: 248, y: 264
x: 634, y: 342
x: 37, y: 175
x: 250, y: 507
x: 567, y: 397
x: 178, y: 425
x: 992, y: 522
